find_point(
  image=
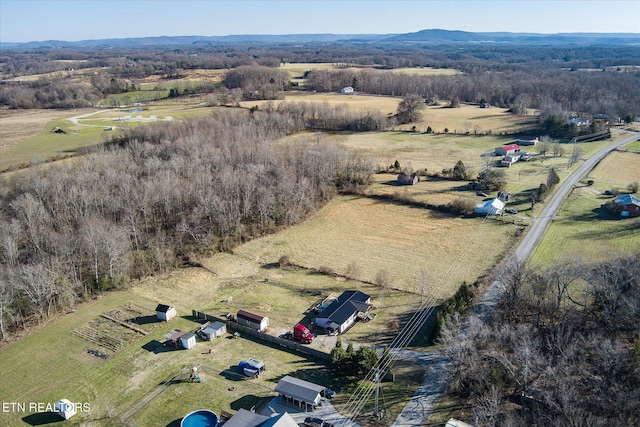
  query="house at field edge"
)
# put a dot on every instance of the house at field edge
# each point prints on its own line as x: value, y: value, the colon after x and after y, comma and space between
x: 627, y: 205
x: 527, y: 140
x: 405, y: 179
x: 490, y: 207
x: 506, y: 150
x: 509, y: 160
x: 252, y: 320
x: 299, y: 393
x: 342, y: 313
x: 347, y: 89
x: 244, y: 418
x: 165, y: 312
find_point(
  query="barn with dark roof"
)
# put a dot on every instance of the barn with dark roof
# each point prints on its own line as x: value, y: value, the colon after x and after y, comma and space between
x: 342, y: 313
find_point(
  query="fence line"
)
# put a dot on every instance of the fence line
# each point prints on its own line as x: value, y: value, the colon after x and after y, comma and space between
x: 292, y: 345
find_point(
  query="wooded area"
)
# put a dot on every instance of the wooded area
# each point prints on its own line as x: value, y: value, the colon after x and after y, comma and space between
x: 561, y: 349
x: 152, y: 199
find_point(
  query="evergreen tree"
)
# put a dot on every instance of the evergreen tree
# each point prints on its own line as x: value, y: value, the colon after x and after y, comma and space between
x: 552, y: 178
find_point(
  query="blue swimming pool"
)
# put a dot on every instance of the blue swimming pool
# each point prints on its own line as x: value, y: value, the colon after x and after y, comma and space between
x: 200, y: 418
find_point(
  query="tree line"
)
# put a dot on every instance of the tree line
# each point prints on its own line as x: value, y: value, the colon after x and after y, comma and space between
x: 153, y: 198
x: 563, y: 346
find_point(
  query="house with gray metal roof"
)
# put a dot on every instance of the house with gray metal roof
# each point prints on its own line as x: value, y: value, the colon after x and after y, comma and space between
x: 342, y: 313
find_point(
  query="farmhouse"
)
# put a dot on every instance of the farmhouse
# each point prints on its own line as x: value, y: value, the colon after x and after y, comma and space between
x: 342, y: 313
x: 214, y: 330
x: 299, y: 393
x: 506, y: 150
x: 406, y: 179
x: 347, y: 89
x: 627, y: 205
x: 490, y: 207
x: 244, y: 418
x: 509, y: 160
x: 253, y: 321
x: 527, y: 140
x: 165, y: 312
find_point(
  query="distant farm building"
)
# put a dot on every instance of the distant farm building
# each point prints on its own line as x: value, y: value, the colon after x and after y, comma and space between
x: 527, y: 140
x: 342, y: 313
x: 579, y: 122
x: 626, y: 205
x: 406, y: 179
x: 490, y: 207
x: 165, y: 312
x: 347, y: 89
x: 299, y: 393
x: 252, y: 320
x: 509, y: 160
x: 213, y: 331
x: 506, y: 150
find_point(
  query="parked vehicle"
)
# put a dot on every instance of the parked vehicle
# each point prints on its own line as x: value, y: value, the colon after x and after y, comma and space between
x: 287, y: 335
x: 313, y: 422
x: 302, y: 334
x: 328, y: 393
x: 511, y: 211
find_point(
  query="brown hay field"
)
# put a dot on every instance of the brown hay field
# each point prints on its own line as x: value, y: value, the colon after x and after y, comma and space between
x: 384, y: 104
x: 298, y: 69
x: 616, y: 171
x: 471, y: 119
x: 396, y: 238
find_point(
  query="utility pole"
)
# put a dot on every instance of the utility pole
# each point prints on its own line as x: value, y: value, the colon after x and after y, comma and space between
x: 377, y: 380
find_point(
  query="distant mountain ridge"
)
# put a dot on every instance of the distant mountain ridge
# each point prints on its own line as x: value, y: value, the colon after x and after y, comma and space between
x: 439, y: 36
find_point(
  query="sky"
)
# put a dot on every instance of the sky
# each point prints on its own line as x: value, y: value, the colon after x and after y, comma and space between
x: 73, y: 20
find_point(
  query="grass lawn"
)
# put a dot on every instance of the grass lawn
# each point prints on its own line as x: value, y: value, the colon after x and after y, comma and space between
x: 634, y: 146
x: 584, y: 229
x: 297, y: 70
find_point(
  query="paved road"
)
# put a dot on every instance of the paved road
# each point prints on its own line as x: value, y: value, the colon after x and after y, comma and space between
x: 435, y: 383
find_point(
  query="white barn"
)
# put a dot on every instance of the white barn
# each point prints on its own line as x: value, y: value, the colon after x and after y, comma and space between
x: 165, y: 312
x: 490, y: 207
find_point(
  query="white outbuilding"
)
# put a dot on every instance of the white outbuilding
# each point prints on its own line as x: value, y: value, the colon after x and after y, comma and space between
x: 65, y: 408
x: 165, y: 312
x: 188, y: 340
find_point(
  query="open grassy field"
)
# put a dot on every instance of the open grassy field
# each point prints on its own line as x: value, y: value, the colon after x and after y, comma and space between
x: 385, y: 236
x: 26, y: 135
x: 634, y: 146
x: 584, y: 230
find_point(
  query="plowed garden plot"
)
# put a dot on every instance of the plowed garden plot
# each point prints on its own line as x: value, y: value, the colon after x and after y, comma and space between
x: 115, y: 329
